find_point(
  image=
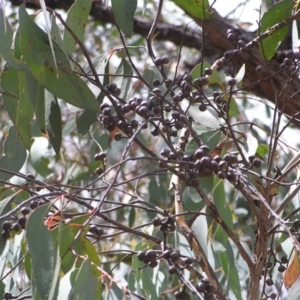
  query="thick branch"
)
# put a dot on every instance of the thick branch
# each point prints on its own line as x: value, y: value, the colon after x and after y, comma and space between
x: 215, y: 46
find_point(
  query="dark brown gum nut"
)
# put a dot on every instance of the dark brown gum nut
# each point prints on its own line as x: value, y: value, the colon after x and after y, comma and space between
x: 165, y: 153
x: 172, y: 270
x: 167, y: 254
x: 174, y: 256
x: 117, y: 136
x: 156, y: 221
x: 30, y: 176
x: 99, y: 171
x: 100, y: 156
x: 151, y: 254
x: 152, y: 264
x: 202, y: 107
x: 158, y: 62
x: 141, y: 255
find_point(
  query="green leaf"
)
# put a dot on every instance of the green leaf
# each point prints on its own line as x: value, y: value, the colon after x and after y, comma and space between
x: 210, y: 138
x: 17, y: 101
x: 6, y: 37
x: 14, y: 154
x: 196, y: 73
x: 101, y: 66
x: 36, y: 94
x: 2, y: 288
x: 132, y: 217
x: 229, y: 268
x: 234, y: 109
x: 81, y: 246
x: 53, y: 121
x: 76, y: 20
x: 208, y: 118
x: 196, y: 8
x: 84, y: 120
x: 5, y: 207
x: 223, y: 208
x: 275, y: 14
x: 87, y: 284
x: 124, y: 83
x: 48, y: 30
x: 10, y: 84
x: 148, y: 283
x: 61, y: 82
x: 124, y: 13
x: 56, y: 35
x: 24, y: 111
x: 262, y: 150
x: 188, y: 199
x: 43, y: 252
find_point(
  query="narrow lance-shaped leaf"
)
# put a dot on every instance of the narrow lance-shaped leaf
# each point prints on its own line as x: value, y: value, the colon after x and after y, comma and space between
x: 229, y: 268
x: 10, y: 94
x: 46, y: 24
x: 53, y: 121
x: 17, y: 101
x: 14, y: 154
x: 276, y: 14
x: 82, y: 245
x: 5, y: 207
x: 196, y: 73
x: 76, y: 20
x: 24, y: 111
x: 43, y: 253
x: 56, y: 35
x: 60, y: 81
x: 37, y: 97
x: 124, y: 13
x: 6, y: 37
x: 124, y: 82
x: 87, y: 285
x: 196, y: 8
x: 84, y: 119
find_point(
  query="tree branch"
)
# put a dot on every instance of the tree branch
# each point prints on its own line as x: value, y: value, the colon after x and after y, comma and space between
x: 215, y: 46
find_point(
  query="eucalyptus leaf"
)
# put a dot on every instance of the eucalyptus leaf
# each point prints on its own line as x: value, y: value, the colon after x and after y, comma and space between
x: 6, y: 37
x: 59, y: 80
x: 36, y: 95
x: 124, y: 80
x: 208, y: 118
x: 275, y: 14
x: 43, y: 253
x: 5, y: 207
x: 76, y: 20
x: 196, y: 73
x: 88, y: 286
x: 25, y: 111
x: 84, y: 119
x: 14, y: 154
x: 53, y: 121
x: 124, y: 13
x: 195, y: 8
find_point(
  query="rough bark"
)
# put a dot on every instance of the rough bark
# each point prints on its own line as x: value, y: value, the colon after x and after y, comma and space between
x: 216, y: 43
